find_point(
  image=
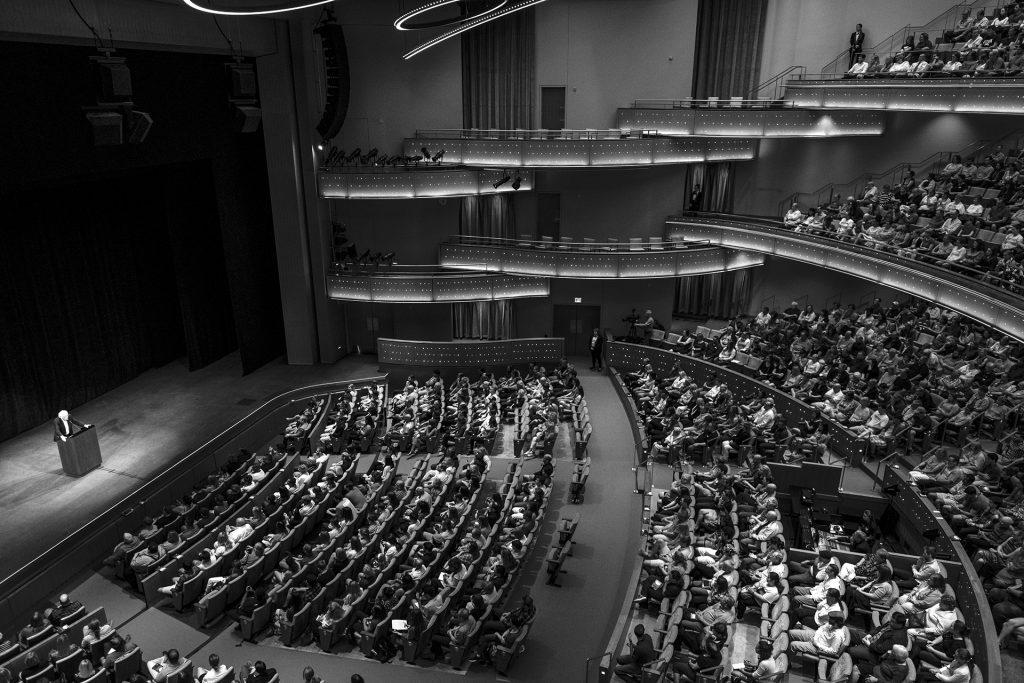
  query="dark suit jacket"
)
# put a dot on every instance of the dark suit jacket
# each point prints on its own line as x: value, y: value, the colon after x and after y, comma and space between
x: 857, y: 41
x: 600, y: 343
x: 256, y: 678
x: 59, y: 429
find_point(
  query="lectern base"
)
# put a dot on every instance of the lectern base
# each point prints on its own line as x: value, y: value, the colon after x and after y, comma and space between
x: 80, y: 454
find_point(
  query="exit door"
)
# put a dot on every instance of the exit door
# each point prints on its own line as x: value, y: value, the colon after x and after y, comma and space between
x: 552, y: 108
x: 576, y: 324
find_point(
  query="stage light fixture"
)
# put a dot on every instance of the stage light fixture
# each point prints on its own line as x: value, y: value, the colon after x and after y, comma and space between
x: 502, y: 181
x: 517, y: 182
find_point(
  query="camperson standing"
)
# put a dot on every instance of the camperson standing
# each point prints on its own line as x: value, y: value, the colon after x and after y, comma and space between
x: 856, y: 44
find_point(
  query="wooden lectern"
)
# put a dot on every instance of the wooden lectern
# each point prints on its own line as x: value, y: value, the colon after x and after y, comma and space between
x: 80, y: 453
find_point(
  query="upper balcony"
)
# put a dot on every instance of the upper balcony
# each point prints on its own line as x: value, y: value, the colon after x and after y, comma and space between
x: 575, y: 148
x: 430, y: 284
x: 762, y: 118
x: 983, y: 300
x: 416, y: 181
x: 975, y: 95
x: 636, y: 259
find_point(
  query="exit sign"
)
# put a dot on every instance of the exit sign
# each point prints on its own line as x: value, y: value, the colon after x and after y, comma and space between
x: 577, y: 300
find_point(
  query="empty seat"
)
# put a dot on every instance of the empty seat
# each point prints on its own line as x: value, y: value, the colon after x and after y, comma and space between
x: 636, y: 243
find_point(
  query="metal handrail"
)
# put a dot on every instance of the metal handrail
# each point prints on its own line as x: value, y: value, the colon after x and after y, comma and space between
x: 713, y: 103
x: 616, y: 246
x: 532, y: 134
x: 777, y: 82
x: 403, y: 167
x: 933, y: 78
x: 409, y: 271
x: 1003, y: 290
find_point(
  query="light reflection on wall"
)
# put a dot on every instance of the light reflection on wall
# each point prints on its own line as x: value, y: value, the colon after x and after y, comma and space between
x: 750, y: 122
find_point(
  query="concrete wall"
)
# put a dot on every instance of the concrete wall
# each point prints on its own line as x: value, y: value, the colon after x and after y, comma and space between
x: 608, y: 53
x: 392, y: 97
x: 787, y: 166
x: 812, y: 32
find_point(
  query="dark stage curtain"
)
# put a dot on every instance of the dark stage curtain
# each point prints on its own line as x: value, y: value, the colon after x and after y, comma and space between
x: 730, y: 35
x: 718, y: 295
x: 90, y: 298
x: 483, y: 320
x: 499, y: 74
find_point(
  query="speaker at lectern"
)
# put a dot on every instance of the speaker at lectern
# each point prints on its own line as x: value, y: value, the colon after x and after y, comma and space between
x: 77, y: 443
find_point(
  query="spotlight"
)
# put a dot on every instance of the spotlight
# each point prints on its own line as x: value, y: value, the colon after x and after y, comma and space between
x: 517, y: 182
x: 425, y: 152
x: 437, y: 157
x: 320, y: 147
x: 502, y: 181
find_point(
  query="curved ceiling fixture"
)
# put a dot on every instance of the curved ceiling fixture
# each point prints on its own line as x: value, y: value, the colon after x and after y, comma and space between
x: 467, y: 12
x: 471, y: 24
x: 238, y: 9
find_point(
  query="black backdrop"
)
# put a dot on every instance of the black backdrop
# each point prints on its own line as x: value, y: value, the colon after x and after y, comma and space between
x: 116, y: 260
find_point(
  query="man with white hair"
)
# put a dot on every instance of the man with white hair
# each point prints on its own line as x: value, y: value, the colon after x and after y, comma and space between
x: 64, y: 426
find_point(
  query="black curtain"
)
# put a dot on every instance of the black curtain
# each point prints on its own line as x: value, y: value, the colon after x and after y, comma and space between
x: 198, y: 276
x: 718, y: 295
x: 715, y: 181
x: 499, y: 74
x: 90, y: 295
x: 730, y: 35
x: 488, y: 216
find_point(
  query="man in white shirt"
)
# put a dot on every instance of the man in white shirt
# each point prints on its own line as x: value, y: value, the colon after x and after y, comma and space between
x: 859, y: 67
x: 793, y: 216
x: 64, y: 426
x: 901, y: 67
x: 216, y: 672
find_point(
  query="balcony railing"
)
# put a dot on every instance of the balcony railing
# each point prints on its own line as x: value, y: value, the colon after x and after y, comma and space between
x: 637, y: 259
x: 753, y: 121
x: 576, y: 148
x: 985, y: 301
x: 416, y: 182
x: 470, y: 353
x: 978, y: 95
x: 431, y: 284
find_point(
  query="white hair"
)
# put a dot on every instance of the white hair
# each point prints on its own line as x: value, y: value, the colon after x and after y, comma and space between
x: 63, y: 415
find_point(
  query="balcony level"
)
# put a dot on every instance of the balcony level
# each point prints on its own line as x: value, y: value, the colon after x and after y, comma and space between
x: 429, y: 284
x: 575, y: 148
x: 745, y: 118
x: 982, y: 301
x: 636, y: 259
x: 975, y: 95
x: 417, y: 181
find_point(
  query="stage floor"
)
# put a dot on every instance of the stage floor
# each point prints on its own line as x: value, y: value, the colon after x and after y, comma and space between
x: 143, y: 426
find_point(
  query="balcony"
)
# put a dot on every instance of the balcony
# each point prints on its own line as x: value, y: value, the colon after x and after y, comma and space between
x: 982, y: 301
x: 470, y: 354
x: 975, y: 95
x: 576, y: 148
x: 745, y: 118
x: 636, y: 259
x: 428, y: 284
x: 416, y: 181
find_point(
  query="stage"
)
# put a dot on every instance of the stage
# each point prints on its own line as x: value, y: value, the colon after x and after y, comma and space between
x: 143, y: 426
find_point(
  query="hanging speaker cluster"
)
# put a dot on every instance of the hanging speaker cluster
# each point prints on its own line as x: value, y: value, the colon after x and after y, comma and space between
x: 336, y: 77
x: 114, y: 119
x: 243, y: 95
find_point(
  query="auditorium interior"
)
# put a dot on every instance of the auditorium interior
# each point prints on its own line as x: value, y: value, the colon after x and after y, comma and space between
x: 531, y: 340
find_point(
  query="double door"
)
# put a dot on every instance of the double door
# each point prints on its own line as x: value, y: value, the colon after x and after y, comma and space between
x: 576, y: 323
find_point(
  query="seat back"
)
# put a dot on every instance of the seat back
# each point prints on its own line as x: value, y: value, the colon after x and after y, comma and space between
x: 673, y: 338
x: 741, y: 358
x: 636, y: 243
x: 182, y: 675
x: 128, y: 664
x: 657, y: 335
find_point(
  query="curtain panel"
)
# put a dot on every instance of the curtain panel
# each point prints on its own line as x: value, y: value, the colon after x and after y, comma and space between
x: 483, y: 320
x: 488, y: 216
x: 718, y: 295
x: 730, y: 35
x: 715, y: 183
x: 499, y: 73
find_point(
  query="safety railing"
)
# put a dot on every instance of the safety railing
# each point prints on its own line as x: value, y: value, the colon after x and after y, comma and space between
x: 432, y: 284
x: 532, y: 134
x: 634, y: 244
x: 714, y: 103
x: 773, y: 88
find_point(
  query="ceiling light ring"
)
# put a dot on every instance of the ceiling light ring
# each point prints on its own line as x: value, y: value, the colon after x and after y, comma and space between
x: 282, y: 6
x: 402, y: 22
x: 468, y: 25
